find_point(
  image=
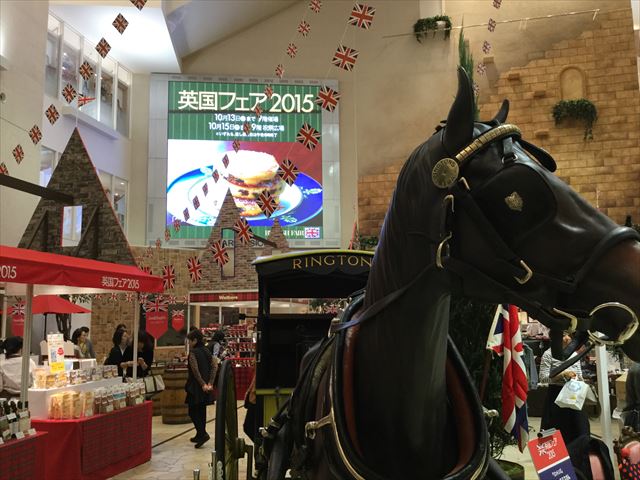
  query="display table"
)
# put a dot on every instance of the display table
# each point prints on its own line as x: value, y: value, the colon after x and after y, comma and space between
x: 97, y: 447
x: 243, y: 376
x: 23, y: 459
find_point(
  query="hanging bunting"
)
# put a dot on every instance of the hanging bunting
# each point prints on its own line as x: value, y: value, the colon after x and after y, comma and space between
x: 139, y: 4
x: 52, y: 114
x: 113, y: 297
x: 279, y: 71
x: 3, y: 169
x: 168, y: 277
x: 225, y: 160
x: 268, y: 91
x: 195, y: 269
x: 486, y: 47
x: 219, y: 253
x: 196, y: 202
x: 242, y: 228
x: 476, y: 89
x: 246, y: 128
x: 82, y: 100
x: 362, y: 16
x: 167, y: 234
x: 158, y: 244
x: 327, y: 98
x: 315, y: 6
x: 267, y: 203
x: 35, y: 134
x: 304, y: 28
x: 85, y: 70
x: 158, y: 304
x: 292, y: 50
x: 142, y: 298
x: 481, y: 68
x: 172, y: 299
x: 491, y: 25
x: 149, y: 253
x: 205, y: 189
x: 288, y: 171
x: 18, y: 153
x: 176, y: 225
x: 258, y: 111
x: 120, y: 23
x: 308, y: 136
x: 236, y: 146
x: 130, y: 297
x: 345, y: 58
x: 69, y: 93
x: 215, y: 175
x: 185, y: 213
x: 177, y: 320
x: 103, y: 47
x: 497, y: 3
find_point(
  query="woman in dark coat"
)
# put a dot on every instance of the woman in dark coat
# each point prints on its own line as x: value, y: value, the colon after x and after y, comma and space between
x: 145, y: 354
x: 199, y: 386
x: 121, y: 354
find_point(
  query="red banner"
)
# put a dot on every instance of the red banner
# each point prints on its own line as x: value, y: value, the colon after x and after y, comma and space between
x: 17, y: 325
x: 177, y: 320
x: 157, y: 323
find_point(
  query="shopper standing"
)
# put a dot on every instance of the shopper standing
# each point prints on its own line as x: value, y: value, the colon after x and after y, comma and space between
x: 81, y: 347
x: 631, y: 413
x: 199, y: 386
x: 121, y: 354
x: 11, y: 367
x: 145, y: 354
x: 92, y: 353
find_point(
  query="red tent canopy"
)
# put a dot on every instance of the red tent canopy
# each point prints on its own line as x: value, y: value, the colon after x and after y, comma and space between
x: 19, y: 265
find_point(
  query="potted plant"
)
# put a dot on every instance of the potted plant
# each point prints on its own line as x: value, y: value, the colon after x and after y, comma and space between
x: 580, y: 109
x: 432, y: 24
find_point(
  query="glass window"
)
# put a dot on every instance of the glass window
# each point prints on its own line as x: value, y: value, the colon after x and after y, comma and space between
x: 124, y: 84
x: 107, y: 74
x: 229, y: 270
x: 71, y: 225
x: 105, y: 180
x: 52, y: 58
x: 88, y: 87
x: 47, y: 164
x: 120, y: 188
x: 70, y: 58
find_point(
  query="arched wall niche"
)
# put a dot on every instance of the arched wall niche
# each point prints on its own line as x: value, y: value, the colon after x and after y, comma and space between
x: 573, y: 83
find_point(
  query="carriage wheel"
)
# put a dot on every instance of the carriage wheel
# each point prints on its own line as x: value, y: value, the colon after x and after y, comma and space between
x: 229, y: 448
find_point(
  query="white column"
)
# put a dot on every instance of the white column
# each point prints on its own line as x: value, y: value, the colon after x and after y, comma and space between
x: 5, y: 306
x: 602, y: 372
x: 26, y: 345
x: 136, y: 328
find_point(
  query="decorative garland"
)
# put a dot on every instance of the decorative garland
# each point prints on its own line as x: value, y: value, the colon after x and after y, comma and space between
x: 580, y: 109
x: 430, y: 24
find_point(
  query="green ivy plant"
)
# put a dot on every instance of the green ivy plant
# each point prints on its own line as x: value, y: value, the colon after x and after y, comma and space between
x: 580, y: 109
x: 430, y: 24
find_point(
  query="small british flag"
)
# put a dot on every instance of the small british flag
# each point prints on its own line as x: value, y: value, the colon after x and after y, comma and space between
x: 219, y: 252
x: 167, y: 234
x: 172, y: 299
x: 246, y: 128
x: 345, y: 58
x: 258, y: 111
x: 149, y: 252
x: 113, y: 297
x: 120, y: 23
x: 18, y: 309
x: 327, y: 98
x: 481, y: 69
x: 205, y: 189
x: 168, y: 277
x: 308, y: 136
x: 486, y: 47
x: 129, y: 297
x: 176, y: 225
x: 158, y: 304
x: 185, y: 213
x: 85, y: 70
x: 18, y: 153
x: 3, y: 169
x: 242, y: 228
x: 69, y: 93
x: 196, y: 202
x: 35, y: 134
x: 476, y: 89
x: 225, y: 161
x: 280, y: 71
x: 497, y: 3
x: 332, y: 308
x: 288, y: 171
x: 292, y: 50
x: 52, y: 114
x: 315, y: 6
x: 361, y: 16
x: 267, y: 203
x: 142, y: 298
x: 215, y: 175
x: 304, y: 28
x: 103, y: 47
x: 491, y: 25
x: 139, y: 4
x: 158, y: 244
x: 236, y: 145
x: 268, y: 91
x: 195, y: 269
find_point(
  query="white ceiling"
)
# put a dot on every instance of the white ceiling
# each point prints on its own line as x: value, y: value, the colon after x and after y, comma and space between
x: 163, y: 32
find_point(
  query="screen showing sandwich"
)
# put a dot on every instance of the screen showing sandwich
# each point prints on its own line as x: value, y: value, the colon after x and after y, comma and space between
x: 262, y: 143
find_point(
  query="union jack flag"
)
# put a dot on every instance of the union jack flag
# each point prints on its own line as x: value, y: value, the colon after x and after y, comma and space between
x: 185, y: 298
x: 476, y: 89
x: 491, y: 25
x: 142, y: 298
x: 158, y: 244
x: 236, y: 146
x: 167, y: 234
x: 35, y: 134
x: 292, y: 50
x: 205, y: 189
x: 176, y: 225
x: 138, y: 3
x: 69, y: 93
x: 362, y: 15
x: 196, y: 202
x: 52, y: 114
x: 172, y: 299
x: 308, y: 136
x: 18, y: 153
x: 304, y: 28
x: 185, y: 212
x: 168, y: 277
x: 129, y: 297
x: 246, y: 128
x: 113, y: 297
x: 215, y: 175
x: 83, y: 100
x: 242, y: 228
x: 120, y: 23
x: 288, y: 171
x: 505, y: 340
x: 327, y: 98
x: 3, y: 169
x: 103, y: 47
x: 345, y: 58
x: 149, y: 252
x: 331, y: 308
x: 258, y: 111
x: 267, y: 203
x: 481, y: 69
x: 497, y: 3
x: 85, y: 70
x: 159, y: 304
x: 219, y: 253
x: 18, y: 309
x: 225, y: 161
x: 268, y: 91
x: 486, y: 47
x: 315, y: 6
x: 280, y: 71
x: 195, y: 269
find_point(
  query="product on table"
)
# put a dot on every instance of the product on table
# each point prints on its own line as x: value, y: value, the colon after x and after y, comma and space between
x: 87, y: 404
x: 55, y: 406
x: 24, y: 420
x: 40, y: 378
x: 5, y: 426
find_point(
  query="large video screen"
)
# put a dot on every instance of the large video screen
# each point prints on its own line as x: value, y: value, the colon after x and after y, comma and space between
x: 265, y: 147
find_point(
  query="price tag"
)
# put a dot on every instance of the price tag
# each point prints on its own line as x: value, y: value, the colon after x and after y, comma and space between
x: 23, y: 414
x: 109, y: 409
x: 32, y: 431
x: 11, y: 416
x: 1, y: 441
x: 138, y: 401
x: 19, y: 435
x: 551, y: 459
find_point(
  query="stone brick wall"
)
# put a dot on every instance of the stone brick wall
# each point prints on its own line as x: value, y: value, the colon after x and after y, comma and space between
x: 606, y: 169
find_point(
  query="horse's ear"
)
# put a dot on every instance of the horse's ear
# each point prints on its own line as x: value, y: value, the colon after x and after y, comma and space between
x: 459, y: 130
x: 502, y: 114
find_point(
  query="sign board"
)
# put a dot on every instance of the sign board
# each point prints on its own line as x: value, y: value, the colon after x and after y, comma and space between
x: 55, y: 348
x: 551, y: 459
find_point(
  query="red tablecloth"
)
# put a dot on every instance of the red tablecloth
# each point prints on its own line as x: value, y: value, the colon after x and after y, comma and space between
x: 23, y: 459
x: 97, y: 447
x: 243, y: 376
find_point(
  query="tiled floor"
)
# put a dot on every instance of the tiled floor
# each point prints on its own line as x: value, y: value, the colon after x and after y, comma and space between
x: 175, y: 459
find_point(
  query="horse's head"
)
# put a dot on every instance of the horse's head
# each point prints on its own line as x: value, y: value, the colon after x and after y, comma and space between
x: 512, y: 231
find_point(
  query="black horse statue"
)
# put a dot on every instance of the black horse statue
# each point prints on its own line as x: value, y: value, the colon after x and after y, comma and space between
x: 477, y: 211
